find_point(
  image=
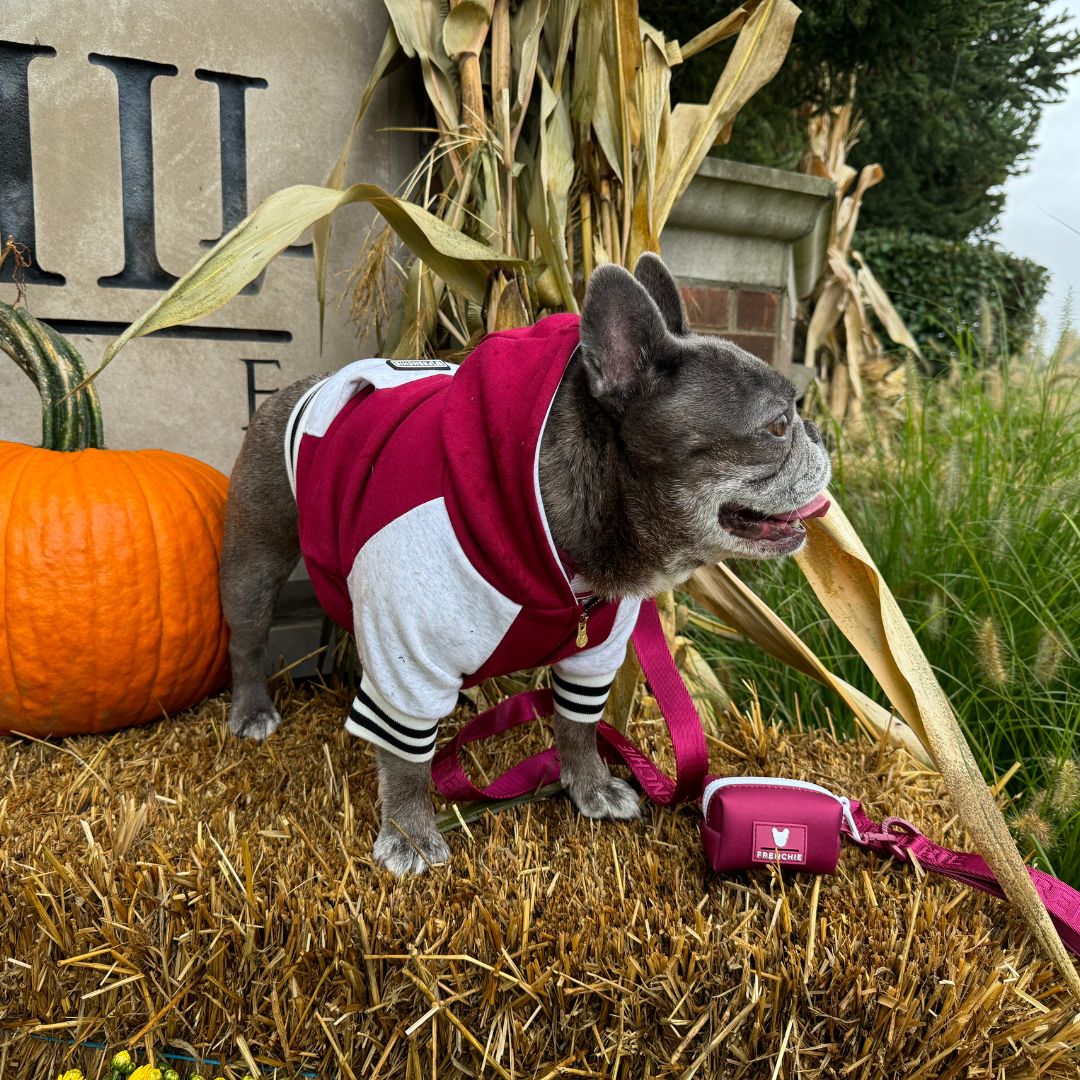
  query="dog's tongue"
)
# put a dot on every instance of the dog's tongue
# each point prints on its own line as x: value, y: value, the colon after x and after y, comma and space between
x: 816, y: 507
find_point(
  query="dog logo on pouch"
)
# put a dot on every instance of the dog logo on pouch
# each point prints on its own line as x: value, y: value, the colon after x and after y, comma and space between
x: 779, y: 842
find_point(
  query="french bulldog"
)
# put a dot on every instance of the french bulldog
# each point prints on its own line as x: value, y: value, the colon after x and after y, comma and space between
x: 657, y: 450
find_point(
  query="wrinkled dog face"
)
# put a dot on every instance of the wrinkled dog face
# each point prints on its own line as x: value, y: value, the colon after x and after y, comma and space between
x: 713, y: 428
x: 750, y: 466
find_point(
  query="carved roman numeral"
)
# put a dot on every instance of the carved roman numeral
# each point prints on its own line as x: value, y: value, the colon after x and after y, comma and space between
x: 16, y: 164
x: 134, y: 81
x: 133, y: 78
x: 232, y: 123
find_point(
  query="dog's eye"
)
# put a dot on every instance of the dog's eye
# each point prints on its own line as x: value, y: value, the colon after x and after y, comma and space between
x: 778, y: 427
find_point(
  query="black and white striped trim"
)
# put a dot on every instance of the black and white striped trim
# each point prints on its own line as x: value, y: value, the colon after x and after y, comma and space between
x: 294, y: 430
x: 372, y: 718
x: 582, y: 698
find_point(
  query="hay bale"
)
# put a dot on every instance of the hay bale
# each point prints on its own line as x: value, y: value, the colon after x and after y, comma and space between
x: 172, y: 885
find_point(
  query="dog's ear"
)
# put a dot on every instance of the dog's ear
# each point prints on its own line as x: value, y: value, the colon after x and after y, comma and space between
x: 622, y: 335
x: 660, y: 285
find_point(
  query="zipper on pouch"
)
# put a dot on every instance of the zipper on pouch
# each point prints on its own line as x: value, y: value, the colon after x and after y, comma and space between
x: 779, y: 781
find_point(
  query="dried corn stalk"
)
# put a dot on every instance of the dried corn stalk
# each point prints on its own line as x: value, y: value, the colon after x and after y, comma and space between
x: 841, y: 344
x: 563, y: 148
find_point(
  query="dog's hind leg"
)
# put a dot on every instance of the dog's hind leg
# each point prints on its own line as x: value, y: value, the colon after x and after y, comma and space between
x: 261, y: 548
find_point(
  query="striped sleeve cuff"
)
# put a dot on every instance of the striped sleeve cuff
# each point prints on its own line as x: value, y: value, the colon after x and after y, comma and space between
x: 581, y: 698
x: 372, y: 718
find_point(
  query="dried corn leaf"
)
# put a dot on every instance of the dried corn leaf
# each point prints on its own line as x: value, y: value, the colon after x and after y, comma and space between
x: 702, y: 682
x: 525, y: 27
x: 759, y: 51
x: 606, y: 118
x: 320, y: 233
x: 550, y: 179
x: 418, y: 24
x: 857, y: 351
x: 440, y: 90
x: 590, y: 30
x: 506, y: 309
x: 848, y: 216
x: 559, y: 28
x: 850, y: 588
x: 719, y: 31
x: 718, y: 590
x: 828, y: 311
x: 419, y: 28
x: 551, y: 240
x: 654, y: 107
x: 626, y: 36
x: 465, y: 28
x: 879, y: 300
x: 500, y: 58
x: 487, y: 205
x: 276, y: 222
x: 419, y: 310
x: 556, y: 150
x: 629, y: 38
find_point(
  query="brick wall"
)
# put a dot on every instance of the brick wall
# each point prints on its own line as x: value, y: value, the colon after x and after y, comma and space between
x: 755, y: 319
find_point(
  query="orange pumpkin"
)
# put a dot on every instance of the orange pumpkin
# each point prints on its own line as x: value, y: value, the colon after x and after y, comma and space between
x: 109, y: 608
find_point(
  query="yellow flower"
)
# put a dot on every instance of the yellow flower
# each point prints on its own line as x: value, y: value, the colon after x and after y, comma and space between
x: 71, y: 1074
x: 146, y: 1072
x: 122, y: 1065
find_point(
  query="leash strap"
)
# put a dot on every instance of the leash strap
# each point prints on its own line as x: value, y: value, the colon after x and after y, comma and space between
x: 725, y: 850
x: 899, y: 838
x: 684, y: 724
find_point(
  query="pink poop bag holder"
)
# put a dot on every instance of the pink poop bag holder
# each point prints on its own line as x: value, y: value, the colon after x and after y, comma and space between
x: 747, y: 821
x: 750, y: 820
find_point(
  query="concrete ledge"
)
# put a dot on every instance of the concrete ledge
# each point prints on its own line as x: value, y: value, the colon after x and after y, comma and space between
x: 738, y: 224
x: 751, y: 200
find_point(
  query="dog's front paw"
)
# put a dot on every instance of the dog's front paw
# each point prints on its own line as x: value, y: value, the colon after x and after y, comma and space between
x: 403, y: 855
x: 606, y: 797
x: 256, y: 722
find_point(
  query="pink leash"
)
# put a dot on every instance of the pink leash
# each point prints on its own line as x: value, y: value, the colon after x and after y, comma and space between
x: 802, y: 829
x: 687, y: 736
x: 899, y: 838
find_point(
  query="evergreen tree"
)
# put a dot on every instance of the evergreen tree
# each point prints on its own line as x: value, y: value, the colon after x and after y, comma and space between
x: 949, y: 91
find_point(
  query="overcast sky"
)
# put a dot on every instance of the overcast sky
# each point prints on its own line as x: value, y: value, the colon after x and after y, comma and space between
x: 1051, y: 187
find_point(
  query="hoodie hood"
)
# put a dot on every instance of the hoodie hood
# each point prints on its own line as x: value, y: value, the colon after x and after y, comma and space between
x: 496, y: 407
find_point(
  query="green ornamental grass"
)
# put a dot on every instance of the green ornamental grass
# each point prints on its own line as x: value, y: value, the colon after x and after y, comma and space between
x: 971, y: 508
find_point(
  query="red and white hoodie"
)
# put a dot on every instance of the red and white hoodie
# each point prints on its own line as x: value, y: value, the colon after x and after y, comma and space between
x: 423, y: 531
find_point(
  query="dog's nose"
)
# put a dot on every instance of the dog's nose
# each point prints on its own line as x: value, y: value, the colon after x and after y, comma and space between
x: 812, y: 432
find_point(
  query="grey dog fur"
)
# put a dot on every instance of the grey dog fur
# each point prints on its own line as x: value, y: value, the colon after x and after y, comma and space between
x: 652, y: 431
